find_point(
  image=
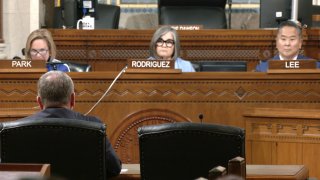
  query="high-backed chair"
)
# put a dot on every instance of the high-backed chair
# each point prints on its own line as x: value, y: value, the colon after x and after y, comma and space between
x: 74, y: 148
x: 107, y: 16
x: 223, y: 66
x: 209, y: 13
x: 78, y: 67
x: 187, y: 150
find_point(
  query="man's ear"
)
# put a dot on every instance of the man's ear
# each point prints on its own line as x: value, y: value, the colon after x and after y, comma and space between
x: 40, y: 102
x: 300, y: 43
x: 72, y: 100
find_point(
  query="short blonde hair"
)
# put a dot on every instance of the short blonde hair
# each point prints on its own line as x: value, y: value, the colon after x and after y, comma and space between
x: 40, y: 34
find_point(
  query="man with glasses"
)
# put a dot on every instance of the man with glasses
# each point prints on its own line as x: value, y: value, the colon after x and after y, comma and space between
x: 288, y: 42
x: 165, y: 45
x: 40, y: 46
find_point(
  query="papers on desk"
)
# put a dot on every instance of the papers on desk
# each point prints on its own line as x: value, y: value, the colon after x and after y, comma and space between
x: 123, y: 171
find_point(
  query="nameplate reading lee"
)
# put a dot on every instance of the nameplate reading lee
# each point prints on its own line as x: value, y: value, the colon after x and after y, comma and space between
x: 292, y: 64
x: 150, y: 64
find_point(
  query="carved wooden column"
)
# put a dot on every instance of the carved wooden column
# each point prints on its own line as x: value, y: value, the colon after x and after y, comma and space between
x: 1, y: 17
x: 2, y: 45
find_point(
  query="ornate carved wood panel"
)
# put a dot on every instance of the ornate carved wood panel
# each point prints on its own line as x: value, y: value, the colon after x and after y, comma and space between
x: 284, y: 136
x: 141, y: 99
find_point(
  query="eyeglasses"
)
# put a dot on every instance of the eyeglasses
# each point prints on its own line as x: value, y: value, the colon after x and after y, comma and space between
x: 169, y: 42
x: 42, y: 52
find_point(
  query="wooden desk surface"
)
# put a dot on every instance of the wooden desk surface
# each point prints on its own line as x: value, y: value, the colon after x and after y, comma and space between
x: 254, y: 172
x: 292, y: 172
x: 13, y: 171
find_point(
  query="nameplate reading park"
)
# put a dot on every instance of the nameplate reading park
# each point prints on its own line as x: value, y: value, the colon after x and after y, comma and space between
x: 22, y: 66
x: 151, y: 66
x: 292, y: 66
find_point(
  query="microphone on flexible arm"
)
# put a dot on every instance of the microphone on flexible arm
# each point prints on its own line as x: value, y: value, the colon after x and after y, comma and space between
x: 105, y: 93
x: 63, y: 21
x: 200, y: 117
x: 229, y: 13
x: 62, y: 15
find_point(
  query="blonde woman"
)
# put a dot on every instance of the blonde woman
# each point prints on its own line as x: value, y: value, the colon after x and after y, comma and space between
x: 40, y: 46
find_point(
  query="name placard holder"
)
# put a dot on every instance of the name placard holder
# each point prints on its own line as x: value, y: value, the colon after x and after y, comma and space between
x: 151, y: 66
x: 22, y: 66
x: 292, y: 66
x: 188, y: 27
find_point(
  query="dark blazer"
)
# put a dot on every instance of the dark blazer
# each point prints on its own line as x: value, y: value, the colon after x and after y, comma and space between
x: 113, y: 162
x: 264, y: 65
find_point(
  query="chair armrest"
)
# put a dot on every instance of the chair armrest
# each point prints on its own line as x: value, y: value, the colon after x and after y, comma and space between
x: 237, y: 166
x: 216, y: 172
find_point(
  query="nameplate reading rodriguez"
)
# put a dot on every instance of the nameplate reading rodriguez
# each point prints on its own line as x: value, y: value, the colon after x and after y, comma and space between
x: 151, y: 66
x: 292, y: 66
x: 22, y: 66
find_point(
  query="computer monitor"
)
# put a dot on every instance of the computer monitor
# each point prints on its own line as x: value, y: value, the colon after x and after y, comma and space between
x: 273, y: 12
x: 208, y: 66
x: 87, y: 7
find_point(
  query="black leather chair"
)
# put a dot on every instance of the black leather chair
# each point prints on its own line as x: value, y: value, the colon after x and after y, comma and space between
x: 209, y: 13
x: 107, y: 16
x: 187, y: 150
x: 78, y: 67
x: 74, y: 148
x: 224, y: 66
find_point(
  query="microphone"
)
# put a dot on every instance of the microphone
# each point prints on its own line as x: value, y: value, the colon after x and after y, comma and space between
x: 63, y: 15
x: 229, y: 13
x: 53, y: 65
x: 105, y: 93
x: 200, y: 117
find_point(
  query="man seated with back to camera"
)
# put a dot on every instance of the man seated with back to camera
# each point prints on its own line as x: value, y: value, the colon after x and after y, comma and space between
x: 40, y: 46
x: 165, y: 45
x: 288, y: 42
x: 56, y: 98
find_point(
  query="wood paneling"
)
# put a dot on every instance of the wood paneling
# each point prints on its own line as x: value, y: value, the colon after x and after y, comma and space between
x: 141, y: 99
x: 284, y: 136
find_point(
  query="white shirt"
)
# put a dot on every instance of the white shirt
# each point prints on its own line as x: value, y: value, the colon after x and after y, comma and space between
x: 295, y: 58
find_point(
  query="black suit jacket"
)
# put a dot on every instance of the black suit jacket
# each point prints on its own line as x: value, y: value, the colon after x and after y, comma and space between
x: 113, y: 162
